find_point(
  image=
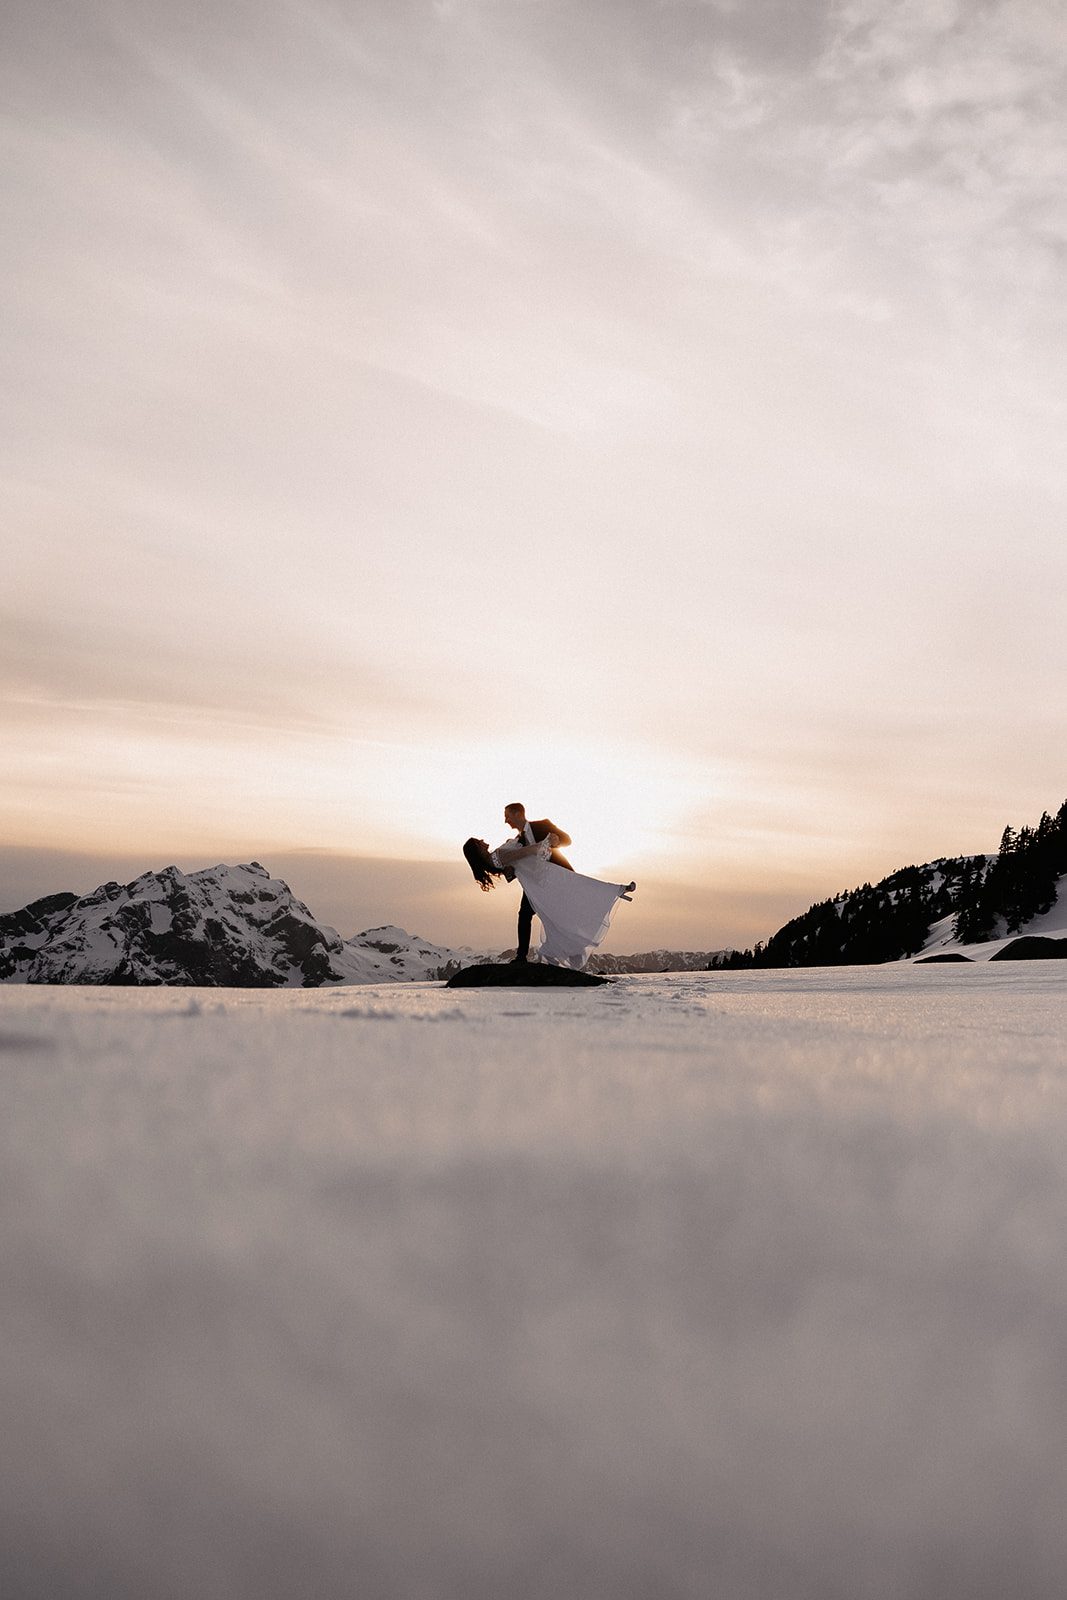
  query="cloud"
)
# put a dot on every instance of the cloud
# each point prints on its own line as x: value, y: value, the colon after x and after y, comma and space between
x: 84, y: 668
x: 943, y: 126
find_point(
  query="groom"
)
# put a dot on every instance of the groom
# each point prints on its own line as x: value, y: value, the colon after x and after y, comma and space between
x: 532, y: 833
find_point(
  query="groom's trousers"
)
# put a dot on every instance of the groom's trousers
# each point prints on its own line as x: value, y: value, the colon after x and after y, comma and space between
x: 525, y: 924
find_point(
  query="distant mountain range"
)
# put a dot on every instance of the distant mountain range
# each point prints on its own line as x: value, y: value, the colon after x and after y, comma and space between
x: 225, y: 926
x: 238, y: 926
x: 230, y: 927
x: 657, y: 961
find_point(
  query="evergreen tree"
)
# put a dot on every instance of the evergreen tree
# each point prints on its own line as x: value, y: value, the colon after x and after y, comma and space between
x: 891, y: 919
x: 1020, y: 883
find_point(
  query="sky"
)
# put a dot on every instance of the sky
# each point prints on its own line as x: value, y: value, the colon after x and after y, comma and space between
x: 650, y: 410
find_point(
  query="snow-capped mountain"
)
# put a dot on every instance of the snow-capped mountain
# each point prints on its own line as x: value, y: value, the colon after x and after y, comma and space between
x: 224, y: 926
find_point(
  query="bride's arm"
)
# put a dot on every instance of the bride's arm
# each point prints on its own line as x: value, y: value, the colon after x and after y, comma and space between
x: 508, y: 852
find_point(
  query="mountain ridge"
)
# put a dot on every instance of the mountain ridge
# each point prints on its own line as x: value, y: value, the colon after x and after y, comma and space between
x: 948, y: 906
x: 239, y: 926
x: 233, y: 926
x: 225, y: 926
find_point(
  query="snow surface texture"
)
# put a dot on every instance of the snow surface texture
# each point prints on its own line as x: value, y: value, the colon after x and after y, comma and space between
x: 222, y: 926
x: 747, y: 1286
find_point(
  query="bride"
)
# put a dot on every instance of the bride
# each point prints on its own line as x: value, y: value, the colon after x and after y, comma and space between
x: 574, y: 910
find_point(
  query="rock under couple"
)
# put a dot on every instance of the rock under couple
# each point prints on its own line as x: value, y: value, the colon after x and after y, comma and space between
x: 574, y: 911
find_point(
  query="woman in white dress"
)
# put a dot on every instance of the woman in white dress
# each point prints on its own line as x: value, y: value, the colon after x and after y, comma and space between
x: 574, y: 910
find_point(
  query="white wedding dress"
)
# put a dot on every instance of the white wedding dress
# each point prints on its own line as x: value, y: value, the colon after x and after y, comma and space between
x: 574, y: 911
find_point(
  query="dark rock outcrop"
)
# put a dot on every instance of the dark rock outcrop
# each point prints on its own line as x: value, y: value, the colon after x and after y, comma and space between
x: 22, y: 933
x: 522, y: 975
x: 1033, y: 947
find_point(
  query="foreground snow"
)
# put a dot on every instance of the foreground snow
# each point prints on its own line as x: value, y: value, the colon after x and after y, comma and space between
x: 745, y: 1285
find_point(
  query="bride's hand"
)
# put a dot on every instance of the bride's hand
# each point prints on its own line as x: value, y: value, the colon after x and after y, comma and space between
x: 552, y: 841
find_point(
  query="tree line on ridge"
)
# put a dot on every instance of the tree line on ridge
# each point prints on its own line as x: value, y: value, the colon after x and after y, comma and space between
x: 988, y: 896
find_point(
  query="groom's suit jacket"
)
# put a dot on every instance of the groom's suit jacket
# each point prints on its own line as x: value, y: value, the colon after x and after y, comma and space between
x: 541, y: 830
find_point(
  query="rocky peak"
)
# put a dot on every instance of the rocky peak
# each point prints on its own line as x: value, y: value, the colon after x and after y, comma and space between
x: 222, y: 926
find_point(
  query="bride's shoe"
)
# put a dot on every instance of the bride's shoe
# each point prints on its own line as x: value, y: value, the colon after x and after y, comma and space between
x: 627, y: 891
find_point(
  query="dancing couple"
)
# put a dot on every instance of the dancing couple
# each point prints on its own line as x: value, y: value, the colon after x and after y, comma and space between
x: 574, y: 910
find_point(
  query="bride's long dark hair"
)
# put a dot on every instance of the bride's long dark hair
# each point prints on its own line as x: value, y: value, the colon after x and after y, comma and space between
x: 481, y: 864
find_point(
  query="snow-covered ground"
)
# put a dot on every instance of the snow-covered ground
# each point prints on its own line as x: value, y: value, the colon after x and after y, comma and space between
x: 749, y: 1286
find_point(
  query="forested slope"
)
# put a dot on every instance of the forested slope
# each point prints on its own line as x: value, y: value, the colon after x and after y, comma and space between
x: 988, y: 896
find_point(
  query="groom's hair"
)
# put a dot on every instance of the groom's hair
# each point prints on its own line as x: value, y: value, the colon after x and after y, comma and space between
x: 515, y: 805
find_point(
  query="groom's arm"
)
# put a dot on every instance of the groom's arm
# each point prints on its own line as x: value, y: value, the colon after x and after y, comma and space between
x: 563, y: 838
x: 513, y: 850
x: 550, y: 827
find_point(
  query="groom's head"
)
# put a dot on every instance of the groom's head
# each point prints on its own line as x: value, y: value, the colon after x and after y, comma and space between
x: 515, y: 816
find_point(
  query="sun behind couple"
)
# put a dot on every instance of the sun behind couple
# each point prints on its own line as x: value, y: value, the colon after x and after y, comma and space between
x: 574, y: 911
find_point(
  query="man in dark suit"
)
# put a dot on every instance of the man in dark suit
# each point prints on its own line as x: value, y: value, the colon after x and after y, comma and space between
x: 532, y: 833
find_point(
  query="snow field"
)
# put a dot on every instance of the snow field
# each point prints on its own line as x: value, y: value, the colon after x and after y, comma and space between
x: 748, y: 1285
